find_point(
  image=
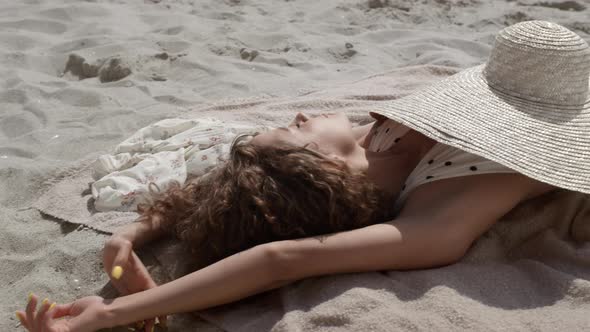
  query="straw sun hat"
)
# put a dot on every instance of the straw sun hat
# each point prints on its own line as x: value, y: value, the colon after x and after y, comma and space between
x: 527, y: 108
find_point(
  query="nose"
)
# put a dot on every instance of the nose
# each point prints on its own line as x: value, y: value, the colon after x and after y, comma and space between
x: 301, y: 117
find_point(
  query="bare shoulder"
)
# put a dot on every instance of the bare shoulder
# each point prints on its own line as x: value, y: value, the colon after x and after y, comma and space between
x: 480, y: 199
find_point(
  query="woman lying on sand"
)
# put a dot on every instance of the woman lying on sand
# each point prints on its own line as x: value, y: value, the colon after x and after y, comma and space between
x: 412, y: 190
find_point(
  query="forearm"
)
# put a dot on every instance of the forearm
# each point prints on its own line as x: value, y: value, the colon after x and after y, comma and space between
x: 236, y: 277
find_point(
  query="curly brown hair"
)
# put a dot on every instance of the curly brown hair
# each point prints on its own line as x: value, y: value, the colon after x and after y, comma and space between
x: 263, y: 194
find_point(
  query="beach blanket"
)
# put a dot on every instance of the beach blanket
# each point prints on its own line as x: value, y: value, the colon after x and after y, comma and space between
x: 531, y: 271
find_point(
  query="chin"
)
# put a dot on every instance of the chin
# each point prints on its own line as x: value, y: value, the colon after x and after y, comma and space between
x: 341, y: 116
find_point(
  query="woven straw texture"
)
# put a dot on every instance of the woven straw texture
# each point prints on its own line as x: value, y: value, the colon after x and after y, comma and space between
x: 527, y: 108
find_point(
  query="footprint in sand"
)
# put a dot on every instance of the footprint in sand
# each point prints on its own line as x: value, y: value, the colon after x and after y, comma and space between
x: 345, y: 55
x: 248, y: 55
x: 113, y: 71
x: 580, y: 26
x: 374, y: 4
x: 561, y: 5
x: 109, y: 70
x: 517, y: 17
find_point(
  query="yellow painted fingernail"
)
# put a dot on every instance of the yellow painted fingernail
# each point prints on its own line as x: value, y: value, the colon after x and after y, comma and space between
x: 30, y: 296
x: 117, y: 272
x: 45, y: 301
x: 51, y: 306
x: 19, y: 317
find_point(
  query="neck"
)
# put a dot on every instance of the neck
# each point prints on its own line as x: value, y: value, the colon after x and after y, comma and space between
x: 389, y: 169
x: 357, y: 159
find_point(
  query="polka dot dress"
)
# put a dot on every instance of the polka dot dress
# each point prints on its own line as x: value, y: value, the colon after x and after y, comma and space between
x: 441, y: 162
x: 386, y: 135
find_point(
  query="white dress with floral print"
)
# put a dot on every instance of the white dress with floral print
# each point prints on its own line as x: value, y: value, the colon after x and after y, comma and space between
x: 166, y: 151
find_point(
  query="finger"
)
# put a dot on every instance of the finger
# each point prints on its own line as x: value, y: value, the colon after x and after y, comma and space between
x: 21, y: 316
x: 47, y: 318
x: 140, y: 267
x: 119, y: 266
x: 121, y: 260
x: 31, y: 307
x: 140, y: 278
x: 41, y: 313
x: 120, y: 284
x: 61, y: 310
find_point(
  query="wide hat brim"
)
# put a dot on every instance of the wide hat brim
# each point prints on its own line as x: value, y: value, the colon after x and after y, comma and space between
x: 549, y: 143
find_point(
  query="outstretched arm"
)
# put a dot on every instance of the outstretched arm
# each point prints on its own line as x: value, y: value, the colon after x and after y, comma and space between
x: 420, y: 238
x: 268, y: 266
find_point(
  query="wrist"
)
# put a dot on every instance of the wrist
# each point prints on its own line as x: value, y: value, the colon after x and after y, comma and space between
x: 131, y: 308
x: 127, y: 232
x: 147, y: 228
x: 113, y: 316
x: 136, y: 232
x: 131, y: 238
x: 107, y: 319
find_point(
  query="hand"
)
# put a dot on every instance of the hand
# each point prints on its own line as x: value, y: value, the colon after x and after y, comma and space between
x: 127, y: 272
x: 83, y: 315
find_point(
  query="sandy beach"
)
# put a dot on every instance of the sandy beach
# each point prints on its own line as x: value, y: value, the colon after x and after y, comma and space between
x: 79, y: 77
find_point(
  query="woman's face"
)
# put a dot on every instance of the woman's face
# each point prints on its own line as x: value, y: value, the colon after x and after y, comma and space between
x: 329, y: 134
